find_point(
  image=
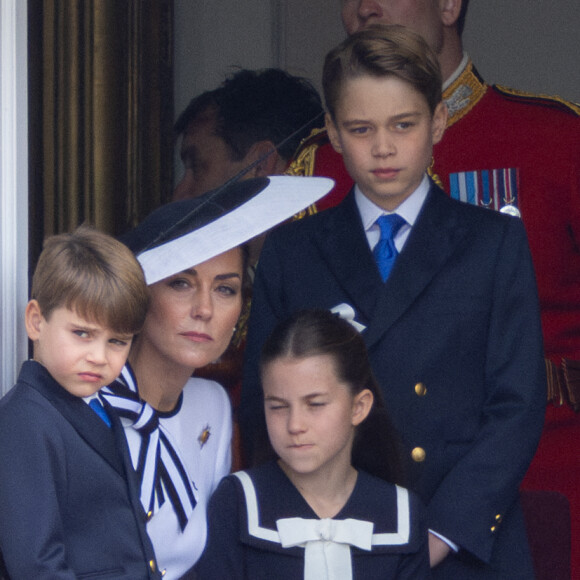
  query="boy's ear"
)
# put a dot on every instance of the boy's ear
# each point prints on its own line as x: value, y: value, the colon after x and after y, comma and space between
x: 33, y: 320
x: 449, y: 11
x: 439, y: 122
x: 361, y: 406
x: 332, y: 133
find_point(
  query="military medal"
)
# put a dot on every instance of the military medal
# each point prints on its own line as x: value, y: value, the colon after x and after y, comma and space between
x: 204, y: 436
x: 486, y: 196
x: 490, y: 188
x: 511, y: 183
x: 511, y: 210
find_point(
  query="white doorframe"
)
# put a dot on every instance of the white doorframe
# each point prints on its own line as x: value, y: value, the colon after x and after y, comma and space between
x: 13, y: 189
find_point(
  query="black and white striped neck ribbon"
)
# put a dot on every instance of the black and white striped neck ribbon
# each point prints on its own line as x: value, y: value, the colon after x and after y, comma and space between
x: 158, y: 465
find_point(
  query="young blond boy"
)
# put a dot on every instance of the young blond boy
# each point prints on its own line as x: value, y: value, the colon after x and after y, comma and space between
x: 446, y: 301
x: 68, y: 501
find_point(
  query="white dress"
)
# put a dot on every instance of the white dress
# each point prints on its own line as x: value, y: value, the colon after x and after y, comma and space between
x: 201, y: 430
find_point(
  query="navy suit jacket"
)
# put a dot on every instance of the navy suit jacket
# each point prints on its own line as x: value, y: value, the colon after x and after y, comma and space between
x: 69, y: 503
x: 459, y: 314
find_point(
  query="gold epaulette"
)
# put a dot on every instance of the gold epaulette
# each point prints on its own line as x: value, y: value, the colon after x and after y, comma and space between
x: 463, y: 93
x: 303, y: 162
x: 548, y: 100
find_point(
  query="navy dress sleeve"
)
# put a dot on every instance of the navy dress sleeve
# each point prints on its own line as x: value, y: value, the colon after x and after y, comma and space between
x: 223, y: 556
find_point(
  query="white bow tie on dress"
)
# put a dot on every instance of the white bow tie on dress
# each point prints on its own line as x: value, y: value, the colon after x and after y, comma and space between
x: 327, y: 544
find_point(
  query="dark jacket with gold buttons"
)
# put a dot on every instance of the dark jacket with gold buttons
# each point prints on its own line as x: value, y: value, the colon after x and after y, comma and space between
x: 455, y: 341
x: 69, y: 500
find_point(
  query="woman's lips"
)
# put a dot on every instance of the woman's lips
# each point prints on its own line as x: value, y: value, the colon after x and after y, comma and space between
x: 197, y: 336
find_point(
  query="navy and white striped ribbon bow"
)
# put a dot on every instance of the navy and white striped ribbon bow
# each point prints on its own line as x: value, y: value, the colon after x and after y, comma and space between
x: 157, y: 462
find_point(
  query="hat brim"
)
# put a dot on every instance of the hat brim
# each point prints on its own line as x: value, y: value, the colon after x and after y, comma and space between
x: 283, y: 197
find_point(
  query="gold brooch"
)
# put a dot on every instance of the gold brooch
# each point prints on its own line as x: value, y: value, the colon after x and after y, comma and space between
x: 204, y: 436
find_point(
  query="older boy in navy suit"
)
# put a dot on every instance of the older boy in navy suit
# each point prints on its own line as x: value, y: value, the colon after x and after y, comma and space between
x: 69, y: 505
x: 443, y: 293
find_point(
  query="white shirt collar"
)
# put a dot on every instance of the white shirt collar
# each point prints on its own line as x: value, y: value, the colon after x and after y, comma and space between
x: 88, y: 399
x: 409, y: 209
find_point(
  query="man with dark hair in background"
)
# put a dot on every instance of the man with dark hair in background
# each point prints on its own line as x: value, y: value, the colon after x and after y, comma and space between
x: 520, y: 154
x: 244, y: 124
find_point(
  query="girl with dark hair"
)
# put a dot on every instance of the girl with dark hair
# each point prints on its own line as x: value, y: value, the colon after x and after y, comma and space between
x: 327, y: 507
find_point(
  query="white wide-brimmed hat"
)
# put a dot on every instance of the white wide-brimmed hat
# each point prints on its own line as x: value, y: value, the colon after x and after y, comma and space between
x: 185, y: 233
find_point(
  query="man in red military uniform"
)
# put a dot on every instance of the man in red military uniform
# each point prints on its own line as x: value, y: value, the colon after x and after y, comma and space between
x: 516, y: 153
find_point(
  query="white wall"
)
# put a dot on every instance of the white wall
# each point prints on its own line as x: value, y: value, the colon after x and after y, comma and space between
x: 214, y: 36
x: 313, y: 28
x: 13, y: 190
x: 531, y: 45
x: 527, y: 44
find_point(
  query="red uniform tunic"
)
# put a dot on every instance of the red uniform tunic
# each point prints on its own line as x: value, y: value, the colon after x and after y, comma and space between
x: 533, y: 142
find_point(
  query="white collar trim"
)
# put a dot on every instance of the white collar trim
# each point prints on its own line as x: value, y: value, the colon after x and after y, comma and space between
x: 400, y: 537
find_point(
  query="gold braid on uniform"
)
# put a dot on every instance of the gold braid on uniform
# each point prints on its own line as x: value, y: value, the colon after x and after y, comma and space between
x: 564, y: 383
x: 463, y: 93
x: 548, y: 100
x: 303, y: 165
x: 436, y: 179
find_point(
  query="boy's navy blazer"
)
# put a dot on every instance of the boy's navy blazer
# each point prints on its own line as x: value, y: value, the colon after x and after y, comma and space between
x: 455, y: 342
x: 85, y: 509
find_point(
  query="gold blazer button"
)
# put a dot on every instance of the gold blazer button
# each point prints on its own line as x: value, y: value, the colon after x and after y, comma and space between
x: 418, y: 454
x: 420, y: 389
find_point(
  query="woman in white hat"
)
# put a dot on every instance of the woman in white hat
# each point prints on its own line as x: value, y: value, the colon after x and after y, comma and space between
x: 179, y: 428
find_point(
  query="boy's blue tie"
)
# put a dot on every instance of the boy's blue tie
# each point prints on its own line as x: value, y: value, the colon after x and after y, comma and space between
x: 385, y: 251
x: 98, y: 408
